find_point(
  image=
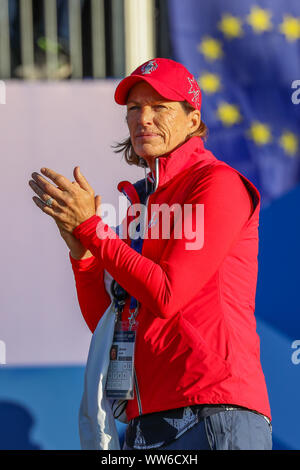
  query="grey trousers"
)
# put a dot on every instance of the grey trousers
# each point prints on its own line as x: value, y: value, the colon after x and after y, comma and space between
x: 225, y: 430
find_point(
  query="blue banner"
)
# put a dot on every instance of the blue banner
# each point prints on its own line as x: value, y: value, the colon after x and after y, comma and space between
x: 246, y: 58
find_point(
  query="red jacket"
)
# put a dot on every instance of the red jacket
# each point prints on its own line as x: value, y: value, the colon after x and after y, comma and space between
x: 196, y: 339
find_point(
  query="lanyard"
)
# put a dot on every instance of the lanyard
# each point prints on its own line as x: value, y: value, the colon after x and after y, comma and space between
x: 117, y: 291
x: 119, y: 294
x: 137, y: 245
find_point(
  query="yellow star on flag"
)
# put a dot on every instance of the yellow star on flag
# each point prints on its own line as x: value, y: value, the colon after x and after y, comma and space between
x: 231, y: 26
x: 228, y: 113
x: 289, y: 142
x: 211, y: 48
x: 290, y: 27
x: 209, y: 82
x: 260, y: 133
x: 260, y: 20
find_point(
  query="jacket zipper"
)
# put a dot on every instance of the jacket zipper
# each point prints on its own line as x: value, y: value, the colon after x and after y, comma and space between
x: 138, y: 395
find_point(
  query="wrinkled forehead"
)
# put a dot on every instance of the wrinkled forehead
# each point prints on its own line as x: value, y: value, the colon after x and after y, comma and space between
x: 143, y: 91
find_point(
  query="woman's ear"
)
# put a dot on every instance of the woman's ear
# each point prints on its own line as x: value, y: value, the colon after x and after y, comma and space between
x: 195, y: 120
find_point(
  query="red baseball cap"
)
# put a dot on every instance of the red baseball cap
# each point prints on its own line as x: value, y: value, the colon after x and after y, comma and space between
x: 169, y: 78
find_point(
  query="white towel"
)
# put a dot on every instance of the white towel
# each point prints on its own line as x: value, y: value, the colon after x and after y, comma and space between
x: 97, y: 427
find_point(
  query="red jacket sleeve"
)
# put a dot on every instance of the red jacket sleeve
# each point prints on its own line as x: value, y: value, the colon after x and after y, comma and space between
x: 91, y: 293
x: 165, y: 287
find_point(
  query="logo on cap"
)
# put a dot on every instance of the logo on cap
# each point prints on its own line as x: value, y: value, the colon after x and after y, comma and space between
x: 194, y: 90
x: 149, y: 67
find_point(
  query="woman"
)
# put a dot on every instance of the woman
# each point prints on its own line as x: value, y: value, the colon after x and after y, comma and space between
x: 198, y: 382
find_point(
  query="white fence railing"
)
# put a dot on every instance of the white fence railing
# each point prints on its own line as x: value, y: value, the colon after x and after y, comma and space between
x: 122, y: 34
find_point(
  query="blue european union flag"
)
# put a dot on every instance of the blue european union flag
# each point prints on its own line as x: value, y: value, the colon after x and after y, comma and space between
x: 246, y: 58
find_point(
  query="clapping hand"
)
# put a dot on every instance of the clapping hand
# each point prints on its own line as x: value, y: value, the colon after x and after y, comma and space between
x: 68, y: 203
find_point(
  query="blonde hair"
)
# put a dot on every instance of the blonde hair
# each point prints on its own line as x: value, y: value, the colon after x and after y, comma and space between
x: 126, y: 147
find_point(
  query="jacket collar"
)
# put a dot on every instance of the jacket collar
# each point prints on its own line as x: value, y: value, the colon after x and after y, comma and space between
x: 182, y: 158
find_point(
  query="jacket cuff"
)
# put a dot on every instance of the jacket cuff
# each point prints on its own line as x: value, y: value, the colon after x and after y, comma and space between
x: 81, y: 265
x: 93, y: 232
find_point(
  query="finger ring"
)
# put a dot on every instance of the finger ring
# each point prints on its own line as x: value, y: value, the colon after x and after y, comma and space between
x: 49, y: 202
